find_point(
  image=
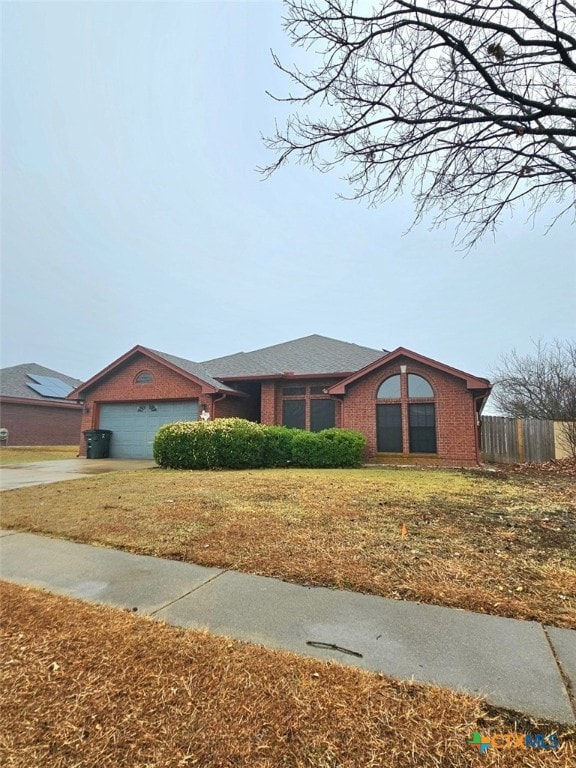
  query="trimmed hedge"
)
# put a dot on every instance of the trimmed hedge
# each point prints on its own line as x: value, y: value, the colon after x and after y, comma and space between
x: 328, y: 448
x: 277, y: 448
x: 232, y: 443
x: 241, y: 444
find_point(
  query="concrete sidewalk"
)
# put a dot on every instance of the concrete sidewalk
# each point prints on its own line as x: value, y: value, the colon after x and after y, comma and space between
x: 519, y: 665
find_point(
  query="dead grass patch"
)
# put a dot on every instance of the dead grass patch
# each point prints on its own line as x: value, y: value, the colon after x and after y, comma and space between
x: 491, y: 543
x: 93, y: 686
x: 25, y: 454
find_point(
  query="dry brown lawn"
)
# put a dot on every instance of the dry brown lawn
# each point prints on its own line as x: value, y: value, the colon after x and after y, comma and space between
x: 24, y: 454
x: 86, y: 687
x: 496, y: 543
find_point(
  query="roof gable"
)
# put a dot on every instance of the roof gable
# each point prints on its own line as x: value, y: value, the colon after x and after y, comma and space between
x: 472, y: 382
x: 187, y: 368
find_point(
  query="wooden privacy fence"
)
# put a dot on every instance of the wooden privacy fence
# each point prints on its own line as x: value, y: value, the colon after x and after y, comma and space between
x: 513, y: 441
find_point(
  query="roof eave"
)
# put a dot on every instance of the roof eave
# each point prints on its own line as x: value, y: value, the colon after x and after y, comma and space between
x: 7, y: 399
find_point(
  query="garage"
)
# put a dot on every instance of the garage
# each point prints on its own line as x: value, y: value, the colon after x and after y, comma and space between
x: 134, y: 425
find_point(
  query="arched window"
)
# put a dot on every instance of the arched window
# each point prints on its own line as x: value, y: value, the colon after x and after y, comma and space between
x: 414, y: 410
x: 418, y: 387
x: 144, y: 377
x: 389, y: 389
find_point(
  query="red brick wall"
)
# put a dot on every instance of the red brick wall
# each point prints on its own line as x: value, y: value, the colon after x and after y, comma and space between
x: 230, y: 407
x: 268, y: 403
x: 41, y: 424
x: 455, y: 416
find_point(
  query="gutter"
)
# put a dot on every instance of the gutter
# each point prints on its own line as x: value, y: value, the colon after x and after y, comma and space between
x: 65, y: 403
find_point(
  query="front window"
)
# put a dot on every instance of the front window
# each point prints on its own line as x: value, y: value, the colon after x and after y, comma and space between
x: 389, y: 418
x: 408, y: 423
x: 322, y: 415
x: 389, y: 389
x: 294, y: 414
x: 307, y: 407
x: 418, y: 387
x: 422, y: 427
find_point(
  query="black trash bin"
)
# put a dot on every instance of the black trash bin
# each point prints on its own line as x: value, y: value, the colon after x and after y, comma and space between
x: 97, y: 443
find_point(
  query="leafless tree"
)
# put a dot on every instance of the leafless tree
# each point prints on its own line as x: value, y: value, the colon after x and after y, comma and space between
x: 540, y: 385
x: 470, y: 103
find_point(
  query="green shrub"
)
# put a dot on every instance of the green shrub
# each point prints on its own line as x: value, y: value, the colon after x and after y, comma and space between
x: 347, y: 446
x: 238, y: 443
x: 232, y: 443
x: 241, y: 444
x: 328, y: 448
x: 308, y: 450
x: 185, y: 445
x: 277, y: 448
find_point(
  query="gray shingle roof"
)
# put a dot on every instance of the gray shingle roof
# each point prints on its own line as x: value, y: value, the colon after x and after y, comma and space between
x: 309, y: 355
x: 196, y: 369
x: 14, y: 381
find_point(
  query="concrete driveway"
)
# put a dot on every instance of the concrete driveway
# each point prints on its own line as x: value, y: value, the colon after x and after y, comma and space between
x: 42, y: 472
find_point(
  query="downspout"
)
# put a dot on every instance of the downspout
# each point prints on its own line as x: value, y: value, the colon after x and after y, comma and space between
x: 217, y: 400
x: 475, y: 399
x: 341, y: 401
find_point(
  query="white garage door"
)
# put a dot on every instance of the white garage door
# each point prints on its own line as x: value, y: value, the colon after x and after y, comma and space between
x: 134, y: 425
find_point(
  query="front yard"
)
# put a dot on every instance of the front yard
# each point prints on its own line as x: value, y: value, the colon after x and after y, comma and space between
x: 499, y: 543
x: 27, y: 453
x: 89, y: 686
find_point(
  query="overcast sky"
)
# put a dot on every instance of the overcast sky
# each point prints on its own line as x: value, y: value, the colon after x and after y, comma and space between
x: 132, y: 212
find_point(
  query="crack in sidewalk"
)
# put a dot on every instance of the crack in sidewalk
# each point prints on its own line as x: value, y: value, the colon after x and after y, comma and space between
x: 190, y: 592
x: 571, y: 694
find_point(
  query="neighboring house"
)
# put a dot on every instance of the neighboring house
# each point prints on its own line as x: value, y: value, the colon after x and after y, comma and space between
x: 34, y: 407
x: 412, y: 409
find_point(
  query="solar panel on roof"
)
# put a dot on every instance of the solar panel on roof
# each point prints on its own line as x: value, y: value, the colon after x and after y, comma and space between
x: 49, y: 386
x: 51, y: 382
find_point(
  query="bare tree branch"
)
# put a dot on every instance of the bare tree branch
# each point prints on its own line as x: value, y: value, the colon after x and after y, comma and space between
x: 541, y: 385
x: 471, y: 104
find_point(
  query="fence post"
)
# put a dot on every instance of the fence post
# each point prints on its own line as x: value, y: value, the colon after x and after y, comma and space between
x: 520, y: 437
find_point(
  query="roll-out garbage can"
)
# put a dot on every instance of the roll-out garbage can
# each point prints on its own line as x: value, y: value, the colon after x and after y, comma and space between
x: 97, y: 443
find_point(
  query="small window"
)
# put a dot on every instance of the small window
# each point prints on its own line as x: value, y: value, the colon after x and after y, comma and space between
x: 322, y: 415
x: 389, y: 389
x: 318, y: 389
x: 294, y: 414
x: 418, y: 387
x: 144, y: 377
x: 290, y: 391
